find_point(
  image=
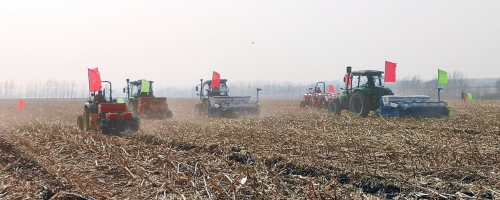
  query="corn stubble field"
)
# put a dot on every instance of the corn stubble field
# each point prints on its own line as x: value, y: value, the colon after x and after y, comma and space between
x: 288, y: 153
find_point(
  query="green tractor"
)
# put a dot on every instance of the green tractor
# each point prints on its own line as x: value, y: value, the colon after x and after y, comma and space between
x: 361, y: 93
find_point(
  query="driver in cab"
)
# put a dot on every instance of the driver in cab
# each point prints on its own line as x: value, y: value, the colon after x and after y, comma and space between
x: 99, y: 97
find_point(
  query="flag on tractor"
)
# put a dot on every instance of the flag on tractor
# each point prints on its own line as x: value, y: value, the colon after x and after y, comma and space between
x: 145, y: 86
x: 94, y: 80
x: 390, y: 71
x: 215, y: 80
x: 442, y: 77
x: 331, y: 89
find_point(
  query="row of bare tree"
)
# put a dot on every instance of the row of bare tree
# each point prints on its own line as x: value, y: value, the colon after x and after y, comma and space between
x: 480, y: 88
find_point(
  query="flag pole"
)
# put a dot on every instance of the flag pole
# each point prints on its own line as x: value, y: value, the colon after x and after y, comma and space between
x: 88, y: 78
x: 439, y: 89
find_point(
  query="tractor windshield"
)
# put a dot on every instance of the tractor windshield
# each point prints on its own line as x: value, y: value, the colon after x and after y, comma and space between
x: 370, y: 81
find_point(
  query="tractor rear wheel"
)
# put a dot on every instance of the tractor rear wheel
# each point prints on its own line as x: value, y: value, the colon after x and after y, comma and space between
x: 217, y: 113
x: 302, y: 104
x: 360, y: 105
x: 169, y: 114
x: 334, y: 107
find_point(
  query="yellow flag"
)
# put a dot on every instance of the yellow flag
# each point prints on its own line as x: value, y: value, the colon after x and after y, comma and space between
x: 145, y: 86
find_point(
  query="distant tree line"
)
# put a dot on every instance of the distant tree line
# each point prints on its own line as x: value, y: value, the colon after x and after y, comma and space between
x: 487, y: 88
x: 414, y: 85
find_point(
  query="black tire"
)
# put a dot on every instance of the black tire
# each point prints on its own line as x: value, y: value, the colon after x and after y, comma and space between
x: 302, y: 104
x: 334, y: 107
x: 103, y: 129
x: 86, y: 119
x: 360, y: 104
x: 325, y: 104
x: 79, y: 121
x: 168, y: 113
x: 217, y: 113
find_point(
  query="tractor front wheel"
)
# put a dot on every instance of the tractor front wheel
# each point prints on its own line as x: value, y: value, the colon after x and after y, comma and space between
x: 79, y: 121
x: 86, y: 119
x: 334, y: 107
x: 360, y: 105
x: 302, y: 104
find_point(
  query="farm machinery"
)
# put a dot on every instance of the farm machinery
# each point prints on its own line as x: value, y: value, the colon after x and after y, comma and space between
x: 143, y: 103
x: 217, y: 102
x: 107, y: 117
x: 317, y: 98
x: 367, y: 93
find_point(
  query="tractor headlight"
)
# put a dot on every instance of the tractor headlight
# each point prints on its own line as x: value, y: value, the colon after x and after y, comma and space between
x: 216, y: 105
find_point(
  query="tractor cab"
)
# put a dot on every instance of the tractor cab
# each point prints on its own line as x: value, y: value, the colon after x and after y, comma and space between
x: 139, y: 88
x: 207, y: 91
x: 367, y: 78
x: 142, y: 101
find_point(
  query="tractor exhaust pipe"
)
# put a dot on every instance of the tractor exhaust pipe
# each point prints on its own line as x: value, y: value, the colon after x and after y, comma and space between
x: 128, y: 89
x: 201, y: 91
x: 347, y: 79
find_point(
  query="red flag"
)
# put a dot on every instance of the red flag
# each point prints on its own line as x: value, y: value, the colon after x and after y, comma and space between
x: 215, y: 80
x: 20, y: 104
x: 348, y: 80
x: 390, y: 71
x: 94, y: 80
x: 331, y: 89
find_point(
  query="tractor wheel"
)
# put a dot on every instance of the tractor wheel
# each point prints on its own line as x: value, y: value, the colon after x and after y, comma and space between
x: 79, y: 121
x: 169, y: 114
x: 86, y: 119
x: 103, y: 127
x: 334, y: 107
x: 302, y: 104
x: 325, y: 104
x: 360, y: 105
x: 217, y: 113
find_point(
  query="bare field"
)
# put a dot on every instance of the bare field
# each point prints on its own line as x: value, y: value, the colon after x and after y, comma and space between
x: 288, y: 153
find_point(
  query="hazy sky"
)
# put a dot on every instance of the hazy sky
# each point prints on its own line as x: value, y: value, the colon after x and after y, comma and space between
x: 178, y: 42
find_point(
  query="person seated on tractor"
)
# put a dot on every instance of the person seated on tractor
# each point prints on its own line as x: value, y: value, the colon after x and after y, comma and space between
x: 318, y: 90
x: 99, y: 98
x: 371, y: 82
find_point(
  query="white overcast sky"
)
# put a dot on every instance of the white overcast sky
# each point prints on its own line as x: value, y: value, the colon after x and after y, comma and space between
x: 178, y: 42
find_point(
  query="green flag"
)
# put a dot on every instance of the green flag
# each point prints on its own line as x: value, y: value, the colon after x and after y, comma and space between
x: 442, y: 77
x: 469, y: 96
x: 145, y: 86
x: 120, y: 100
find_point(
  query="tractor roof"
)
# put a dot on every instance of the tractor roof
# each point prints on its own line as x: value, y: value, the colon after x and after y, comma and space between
x: 210, y: 81
x: 367, y: 72
x: 138, y: 82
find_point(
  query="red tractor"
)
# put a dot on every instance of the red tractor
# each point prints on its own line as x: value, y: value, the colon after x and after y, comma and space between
x: 107, y: 117
x: 318, y: 98
x: 142, y: 102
